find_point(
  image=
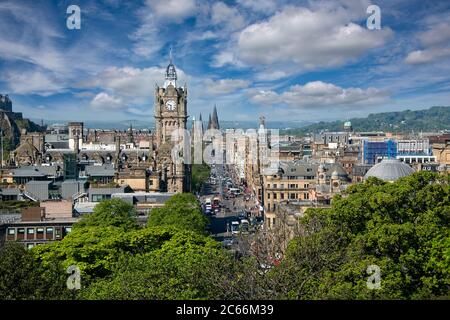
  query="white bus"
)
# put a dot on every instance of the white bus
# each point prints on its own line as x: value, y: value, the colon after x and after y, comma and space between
x: 235, y: 191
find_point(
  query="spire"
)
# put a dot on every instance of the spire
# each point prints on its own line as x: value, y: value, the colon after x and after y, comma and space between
x: 209, y: 122
x: 215, y: 119
x: 130, y: 134
x: 171, y: 72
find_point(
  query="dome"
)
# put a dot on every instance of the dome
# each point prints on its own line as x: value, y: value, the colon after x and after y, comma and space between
x: 389, y: 170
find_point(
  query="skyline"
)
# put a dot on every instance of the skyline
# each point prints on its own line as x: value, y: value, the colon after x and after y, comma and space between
x: 238, y: 55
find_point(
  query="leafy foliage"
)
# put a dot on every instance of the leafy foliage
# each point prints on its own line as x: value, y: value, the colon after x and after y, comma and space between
x: 402, y: 227
x: 114, y: 212
x: 23, y: 278
x: 182, y: 211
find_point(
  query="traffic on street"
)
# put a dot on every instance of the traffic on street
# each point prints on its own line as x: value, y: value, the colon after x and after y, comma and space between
x: 233, y: 213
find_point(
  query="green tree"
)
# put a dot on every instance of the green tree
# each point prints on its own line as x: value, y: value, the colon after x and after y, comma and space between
x: 182, y: 211
x: 402, y: 227
x: 200, y: 174
x: 23, y: 278
x: 114, y: 212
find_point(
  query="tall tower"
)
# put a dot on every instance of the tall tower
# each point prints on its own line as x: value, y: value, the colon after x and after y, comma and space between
x: 76, y: 130
x: 170, y: 114
x: 170, y: 106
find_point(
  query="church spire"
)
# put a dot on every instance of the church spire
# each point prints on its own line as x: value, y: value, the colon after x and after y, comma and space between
x: 215, y: 119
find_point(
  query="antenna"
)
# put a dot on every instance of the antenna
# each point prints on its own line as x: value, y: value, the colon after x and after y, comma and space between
x: 170, y: 55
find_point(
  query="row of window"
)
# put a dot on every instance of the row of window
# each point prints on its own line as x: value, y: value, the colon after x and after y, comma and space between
x: 32, y: 231
x: 290, y: 196
x: 290, y: 186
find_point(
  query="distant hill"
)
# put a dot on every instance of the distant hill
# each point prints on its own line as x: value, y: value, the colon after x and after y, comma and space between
x: 435, y: 118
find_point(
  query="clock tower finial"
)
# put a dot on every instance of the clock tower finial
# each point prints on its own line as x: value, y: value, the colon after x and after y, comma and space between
x: 171, y: 72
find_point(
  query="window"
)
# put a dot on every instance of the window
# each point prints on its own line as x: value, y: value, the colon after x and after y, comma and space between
x: 274, y: 185
x: 281, y: 196
x: 100, y: 197
x: 40, y: 230
x: 282, y: 186
x: 30, y: 246
x: 49, y: 230
x: 21, y: 231
x: 30, y: 231
x: 67, y: 229
x: 274, y: 195
x: 151, y: 182
x: 11, y: 231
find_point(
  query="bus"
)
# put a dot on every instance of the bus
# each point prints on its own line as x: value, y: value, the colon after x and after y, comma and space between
x: 208, y: 204
x: 235, y: 191
x: 245, y: 226
x: 235, y: 227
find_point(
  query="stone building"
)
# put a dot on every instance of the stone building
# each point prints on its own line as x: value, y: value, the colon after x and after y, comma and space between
x: 170, y: 115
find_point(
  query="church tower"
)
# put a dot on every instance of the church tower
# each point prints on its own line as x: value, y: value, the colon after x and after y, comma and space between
x: 170, y: 114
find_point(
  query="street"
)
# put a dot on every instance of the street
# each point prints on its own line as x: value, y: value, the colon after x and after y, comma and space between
x: 233, y: 208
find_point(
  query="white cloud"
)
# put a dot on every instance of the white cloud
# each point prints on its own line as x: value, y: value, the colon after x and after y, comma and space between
x: 436, y: 43
x: 34, y: 82
x: 105, y: 101
x: 134, y: 83
x: 319, y: 94
x: 224, y: 86
x: 174, y: 10
x: 307, y: 39
x: 427, y: 55
x: 260, y: 6
x: 228, y: 17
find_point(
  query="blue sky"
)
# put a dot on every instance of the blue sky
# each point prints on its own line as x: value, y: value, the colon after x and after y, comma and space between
x: 287, y: 60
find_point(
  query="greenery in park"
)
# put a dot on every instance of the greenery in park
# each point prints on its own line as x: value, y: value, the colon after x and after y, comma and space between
x: 433, y: 119
x: 402, y: 227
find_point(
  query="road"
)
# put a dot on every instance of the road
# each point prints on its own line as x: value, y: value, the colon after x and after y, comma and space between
x: 230, y: 208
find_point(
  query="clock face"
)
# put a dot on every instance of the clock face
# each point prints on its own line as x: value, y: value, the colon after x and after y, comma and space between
x: 170, y: 105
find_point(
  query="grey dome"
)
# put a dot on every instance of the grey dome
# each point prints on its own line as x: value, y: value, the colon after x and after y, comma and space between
x: 389, y: 170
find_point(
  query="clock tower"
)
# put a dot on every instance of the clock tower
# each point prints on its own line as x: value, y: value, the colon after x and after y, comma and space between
x: 170, y: 114
x: 170, y: 106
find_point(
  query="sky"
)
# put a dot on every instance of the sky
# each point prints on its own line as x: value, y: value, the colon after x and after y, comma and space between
x: 285, y: 60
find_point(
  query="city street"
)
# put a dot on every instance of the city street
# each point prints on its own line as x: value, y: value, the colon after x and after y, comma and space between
x: 232, y: 208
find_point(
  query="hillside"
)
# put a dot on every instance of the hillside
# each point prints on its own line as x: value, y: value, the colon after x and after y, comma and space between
x: 435, y: 118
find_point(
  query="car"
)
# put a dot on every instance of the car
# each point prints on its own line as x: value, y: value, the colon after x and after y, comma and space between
x: 242, y: 215
x: 227, y: 242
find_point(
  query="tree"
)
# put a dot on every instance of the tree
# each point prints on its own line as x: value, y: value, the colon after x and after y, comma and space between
x: 114, y: 212
x: 182, y: 211
x: 176, y: 270
x: 402, y: 227
x: 23, y: 278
